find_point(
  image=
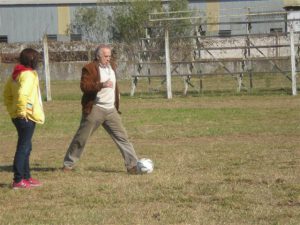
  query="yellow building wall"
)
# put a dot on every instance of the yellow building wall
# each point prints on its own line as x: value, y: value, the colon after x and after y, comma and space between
x: 63, y: 20
x: 291, y: 2
x: 212, y: 13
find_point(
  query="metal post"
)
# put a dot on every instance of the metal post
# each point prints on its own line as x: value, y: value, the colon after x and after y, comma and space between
x: 133, y: 86
x: 200, y: 85
x: 46, y: 68
x: 168, y: 64
x: 90, y: 57
x: 0, y: 62
x: 293, y: 61
x: 248, y: 53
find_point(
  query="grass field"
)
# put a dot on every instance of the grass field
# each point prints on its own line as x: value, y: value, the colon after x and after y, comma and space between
x: 220, y: 158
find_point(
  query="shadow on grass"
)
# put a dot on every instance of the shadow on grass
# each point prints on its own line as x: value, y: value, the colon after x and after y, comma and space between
x: 104, y: 170
x: 212, y: 93
x: 35, y: 167
x: 2, y: 185
x: 6, y: 168
x: 9, y: 168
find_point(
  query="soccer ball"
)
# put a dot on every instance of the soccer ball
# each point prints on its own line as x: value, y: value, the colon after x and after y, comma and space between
x: 145, y: 165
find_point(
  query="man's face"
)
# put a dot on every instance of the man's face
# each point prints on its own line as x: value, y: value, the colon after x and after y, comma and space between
x: 105, y: 56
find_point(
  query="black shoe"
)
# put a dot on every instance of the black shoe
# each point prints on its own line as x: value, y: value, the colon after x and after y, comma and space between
x: 133, y: 170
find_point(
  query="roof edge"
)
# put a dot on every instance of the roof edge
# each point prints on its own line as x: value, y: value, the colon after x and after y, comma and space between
x: 65, y: 2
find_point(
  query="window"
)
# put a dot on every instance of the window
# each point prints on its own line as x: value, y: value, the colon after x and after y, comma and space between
x: 276, y: 30
x: 52, y: 37
x: 75, y: 37
x: 3, y: 38
x: 224, y: 33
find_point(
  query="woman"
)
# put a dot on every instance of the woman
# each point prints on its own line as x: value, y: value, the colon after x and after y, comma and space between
x: 24, y: 104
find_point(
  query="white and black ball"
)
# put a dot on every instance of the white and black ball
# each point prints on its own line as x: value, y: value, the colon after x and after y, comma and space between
x: 145, y: 165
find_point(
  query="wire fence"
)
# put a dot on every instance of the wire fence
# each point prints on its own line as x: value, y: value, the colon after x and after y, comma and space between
x: 255, y: 43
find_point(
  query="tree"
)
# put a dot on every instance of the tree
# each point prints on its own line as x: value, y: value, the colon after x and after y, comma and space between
x: 130, y: 20
x: 180, y: 27
x: 92, y: 23
x: 127, y: 23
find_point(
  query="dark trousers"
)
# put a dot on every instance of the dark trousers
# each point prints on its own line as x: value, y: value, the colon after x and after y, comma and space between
x: 25, y: 131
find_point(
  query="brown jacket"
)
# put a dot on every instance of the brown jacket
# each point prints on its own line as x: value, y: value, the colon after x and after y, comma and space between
x: 90, y: 85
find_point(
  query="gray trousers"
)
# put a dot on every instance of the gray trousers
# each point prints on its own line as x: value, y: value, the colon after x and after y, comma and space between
x: 111, y: 121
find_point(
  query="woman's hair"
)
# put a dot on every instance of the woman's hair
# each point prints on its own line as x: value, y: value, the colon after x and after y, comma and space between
x: 29, y: 58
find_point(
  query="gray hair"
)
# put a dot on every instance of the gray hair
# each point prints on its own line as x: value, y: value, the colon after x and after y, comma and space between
x: 98, y: 51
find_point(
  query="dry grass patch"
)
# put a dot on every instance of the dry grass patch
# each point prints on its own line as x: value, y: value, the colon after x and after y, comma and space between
x: 218, y: 160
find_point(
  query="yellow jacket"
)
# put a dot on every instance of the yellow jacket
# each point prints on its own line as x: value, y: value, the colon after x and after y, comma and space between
x: 22, y: 97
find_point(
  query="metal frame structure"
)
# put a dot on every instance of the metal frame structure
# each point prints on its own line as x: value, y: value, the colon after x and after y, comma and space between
x: 246, y: 61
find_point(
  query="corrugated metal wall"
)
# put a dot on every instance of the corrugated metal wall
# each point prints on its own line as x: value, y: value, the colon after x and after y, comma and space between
x: 232, y: 8
x: 232, y: 11
x: 27, y: 24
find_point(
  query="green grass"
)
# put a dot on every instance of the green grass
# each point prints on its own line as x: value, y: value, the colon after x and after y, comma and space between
x: 220, y: 158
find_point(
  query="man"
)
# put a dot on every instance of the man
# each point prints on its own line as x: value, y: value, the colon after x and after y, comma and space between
x: 100, y: 106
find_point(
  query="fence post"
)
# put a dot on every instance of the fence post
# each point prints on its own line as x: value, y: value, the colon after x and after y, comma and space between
x: 133, y: 85
x: 248, y: 53
x: 46, y: 68
x: 90, y: 55
x: 293, y: 61
x: 168, y: 64
x: 0, y: 62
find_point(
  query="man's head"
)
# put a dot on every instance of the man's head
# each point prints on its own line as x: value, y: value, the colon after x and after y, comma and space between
x: 103, y: 55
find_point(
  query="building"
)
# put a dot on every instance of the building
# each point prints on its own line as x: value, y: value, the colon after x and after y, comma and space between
x: 29, y: 21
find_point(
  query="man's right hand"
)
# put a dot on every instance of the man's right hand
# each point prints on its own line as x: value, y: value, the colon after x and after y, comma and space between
x: 108, y: 84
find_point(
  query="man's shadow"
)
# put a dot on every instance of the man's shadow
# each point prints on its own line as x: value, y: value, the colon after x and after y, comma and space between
x: 104, y: 170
